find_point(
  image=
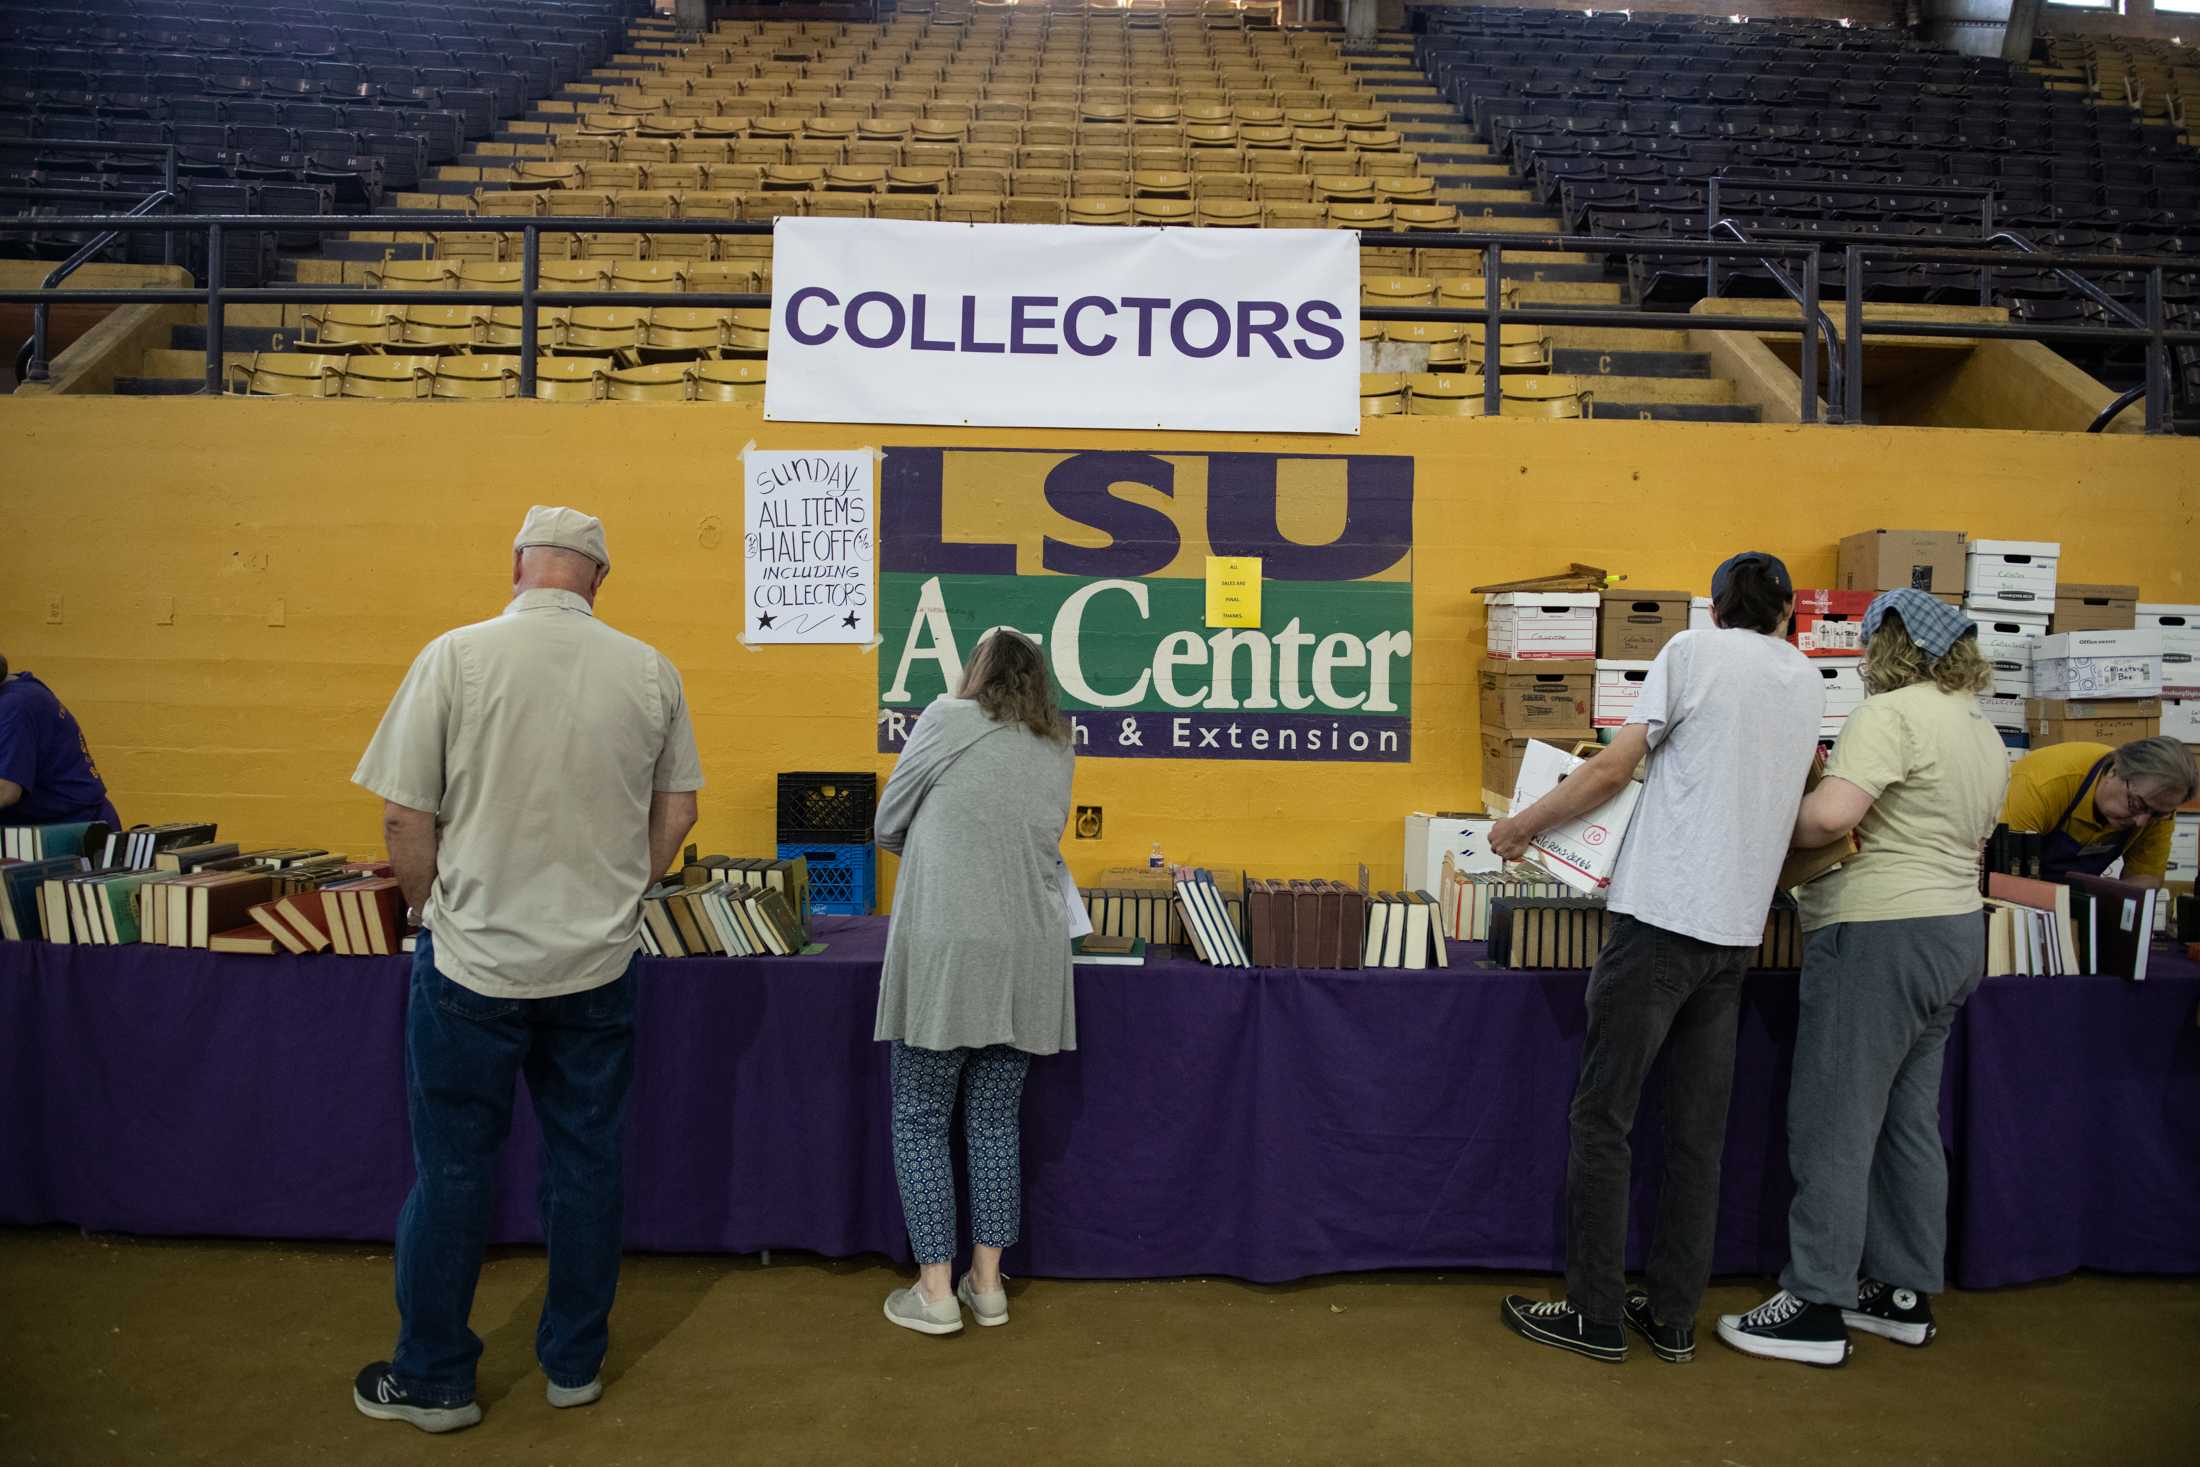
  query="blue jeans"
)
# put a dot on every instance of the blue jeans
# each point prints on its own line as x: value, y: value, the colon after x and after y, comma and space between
x: 462, y: 1054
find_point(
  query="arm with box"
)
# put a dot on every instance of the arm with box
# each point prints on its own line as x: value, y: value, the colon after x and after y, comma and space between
x: 1574, y: 811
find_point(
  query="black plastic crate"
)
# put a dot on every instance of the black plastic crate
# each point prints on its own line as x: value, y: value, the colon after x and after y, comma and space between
x: 827, y: 806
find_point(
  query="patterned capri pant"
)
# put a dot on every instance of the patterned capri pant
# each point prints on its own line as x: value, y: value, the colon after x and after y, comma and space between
x: 991, y: 1082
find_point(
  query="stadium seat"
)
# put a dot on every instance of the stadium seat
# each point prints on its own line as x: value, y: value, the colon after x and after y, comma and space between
x: 651, y: 382
x: 342, y: 328
x: 1545, y: 397
x: 475, y: 378
x: 1382, y: 394
x: 437, y: 329
x: 602, y: 330
x: 571, y: 379
x: 287, y: 374
x: 388, y: 378
x: 1444, y: 395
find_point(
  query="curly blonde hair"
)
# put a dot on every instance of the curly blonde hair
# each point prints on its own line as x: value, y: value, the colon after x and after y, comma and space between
x: 1008, y: 680
x: 1892, y: 660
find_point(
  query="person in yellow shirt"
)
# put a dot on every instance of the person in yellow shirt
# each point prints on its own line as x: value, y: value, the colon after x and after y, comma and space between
x: 2096, y: 804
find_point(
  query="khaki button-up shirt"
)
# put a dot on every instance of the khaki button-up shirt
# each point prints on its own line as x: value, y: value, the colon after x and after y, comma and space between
x: 536, y: 740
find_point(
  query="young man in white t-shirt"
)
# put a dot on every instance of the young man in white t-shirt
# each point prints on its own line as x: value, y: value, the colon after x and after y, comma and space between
x: 1728, y: 720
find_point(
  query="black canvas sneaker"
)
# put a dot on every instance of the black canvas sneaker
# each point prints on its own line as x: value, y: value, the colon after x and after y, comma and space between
x: 377, y: 1394
x: 1559, y: 1324
x: 1902, y: 1315
x: 1787, y: 1328
x: 1671, y: 1342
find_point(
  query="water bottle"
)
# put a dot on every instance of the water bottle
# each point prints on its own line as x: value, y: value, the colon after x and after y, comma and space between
x: 1154, y: 861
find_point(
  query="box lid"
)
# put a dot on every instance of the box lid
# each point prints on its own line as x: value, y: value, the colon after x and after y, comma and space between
x: 2187, y: 610
x: 2006, y: 623
x: 1622, y: 664
x: 1543, y: 598
x: 1677, y: 597
x: 1958, y: 535
x: 2136, y: 642
x: 2085, y: 591
x: 2037, y: 549
x: 1536, y: 669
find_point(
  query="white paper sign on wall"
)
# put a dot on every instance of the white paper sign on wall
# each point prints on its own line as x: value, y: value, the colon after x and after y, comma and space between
x: 808, y: 532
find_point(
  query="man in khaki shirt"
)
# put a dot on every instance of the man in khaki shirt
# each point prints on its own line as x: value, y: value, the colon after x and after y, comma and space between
x: 537, y: 771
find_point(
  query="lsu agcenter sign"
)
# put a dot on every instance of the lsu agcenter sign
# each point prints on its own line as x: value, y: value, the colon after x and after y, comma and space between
x: 1108, y: 578
x: 1044, y: 326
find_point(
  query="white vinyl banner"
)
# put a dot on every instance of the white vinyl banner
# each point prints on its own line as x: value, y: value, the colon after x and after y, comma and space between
x: 1070, y: 326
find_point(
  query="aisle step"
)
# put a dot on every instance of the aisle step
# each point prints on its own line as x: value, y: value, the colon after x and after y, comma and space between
x: 1676, y: 412
x: 234, y: 338
x: 1623, y: 361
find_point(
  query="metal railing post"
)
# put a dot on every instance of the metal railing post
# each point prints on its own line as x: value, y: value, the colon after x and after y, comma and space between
x: 1808, y: 366
x: 1852, y: 337
x: 2157, y: 357
x: 1711, y: 219
x: 168, y: 182
x: 1493, y: 296
x: 530, y: 261
x: 214, y: 326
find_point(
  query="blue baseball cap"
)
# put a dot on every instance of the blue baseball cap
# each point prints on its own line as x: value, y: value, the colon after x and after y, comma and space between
x: 1773, y: 565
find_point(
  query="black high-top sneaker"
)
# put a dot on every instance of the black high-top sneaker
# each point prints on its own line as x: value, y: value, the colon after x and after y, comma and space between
x: 1902, y: 1315
x: 1675, y: 1343
x: 1787, y: 1328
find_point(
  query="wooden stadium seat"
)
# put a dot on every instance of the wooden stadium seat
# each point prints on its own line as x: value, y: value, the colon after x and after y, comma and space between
x: 1252, y: 114
x: 609, y: 247
x: 1413, y: 192
x: 609, y: 177
x: 1162, y: 213
x: 793, y: 178
x: 1397, y: 290
x: 1222, y: 185
x: 1384, y: 165
x: 989, y: 181
x: 989, y: 155
x: 673, y: 176
x: 475, y: 379
x: 648, y: 274
x: 733, y: 178
x: 1519, y: 349
x: 1157, y: 184
x: 916, y: 180
x: 854, y: 178
x: 1100, y: 183
x: 604, y: 329
x: 643, y: 203
x: 1339, y: 188
x: 1228, y: 213
x: 839, y: 205
x: 502, y: 329
x: 497, y: 202
x: 1427, y: 218
x: 1471, y: 293
x: 649, y: 382
x: 760, y: 150
x: 587, y: 148
x: 431, y: 330
x: 1545, y: 397
x: 1382, y: 394
x: 412, y: 274
x: 1291, y: 188
x: 348, y: 328
x: 1313, y: 142
x: 1362, y: 119
x: 389, y: 379
x: 1444, y: 395
x: 728, y: 277
x: 547, y: 173
x: 1032, y: 209
x: 571, y: 379
x: 1368, y: 217
x: 1310, y: 117
x: 574, y: 203
x: 1287, y: 161
x: 1200, y: 135
x: 1101, y: 210
x: 287, y: 374
x: 905, y: 206
x: 701, y: 152
x: 816, y: 152
x: 1294, y: 216
x: 970, y: 209
x: 1443, y: 342
x: 759, y: 208
x: 749, y: 333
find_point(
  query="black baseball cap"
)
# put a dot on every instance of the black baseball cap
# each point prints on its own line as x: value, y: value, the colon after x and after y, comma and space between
x: 1774, y: 567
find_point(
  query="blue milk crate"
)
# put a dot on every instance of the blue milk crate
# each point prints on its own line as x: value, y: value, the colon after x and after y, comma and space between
x: 843, y: 878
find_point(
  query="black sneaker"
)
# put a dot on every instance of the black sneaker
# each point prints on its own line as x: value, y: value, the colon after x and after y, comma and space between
x: 1671, y: 1342
x: 1558, y: 1323
x: 1787, y: 1328
x: 377, y: 1394
x: 1902, y: 1315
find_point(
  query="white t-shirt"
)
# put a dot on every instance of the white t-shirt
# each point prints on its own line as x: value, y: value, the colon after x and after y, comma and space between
x: 1733, y: 719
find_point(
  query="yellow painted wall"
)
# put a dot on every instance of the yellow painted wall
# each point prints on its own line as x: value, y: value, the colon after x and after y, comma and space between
x: 308, y: 550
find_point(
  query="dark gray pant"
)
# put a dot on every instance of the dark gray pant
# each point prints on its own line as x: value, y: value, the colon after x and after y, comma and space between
x: 1651, y: 989
x: 1871, y: 1180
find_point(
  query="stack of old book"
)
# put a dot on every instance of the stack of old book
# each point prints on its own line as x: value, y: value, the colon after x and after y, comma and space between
x: 2048, y: 929
x: 1305, y: 923
x: 729, y: 906
x: 1466, y: 899
x: 87, y: 838
x: 137, y: 847
x: 1547, y: 931
x: 1214, y: 934
x: 22, y: 894
x: 1403, y: 931
x: 1139, y: 902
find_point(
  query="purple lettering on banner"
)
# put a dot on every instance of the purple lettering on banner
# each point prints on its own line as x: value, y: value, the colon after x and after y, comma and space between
x: 1183, y: 344
x: 1145, y: 305
x: 1077, y: 343
x: 1262, y: 319
x: 794, y: 315
x: 1147, y: 734
x: 1378, y: 517
x: 970, y: 342
x: 912, y: 491
x: 897, y: 313
x: 1328, y: 340
x: 1142, y: 539
x: 1020, y: 320
x: 918, y: 341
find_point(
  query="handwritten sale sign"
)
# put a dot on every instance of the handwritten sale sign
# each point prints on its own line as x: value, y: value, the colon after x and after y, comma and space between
x: 807, y: 522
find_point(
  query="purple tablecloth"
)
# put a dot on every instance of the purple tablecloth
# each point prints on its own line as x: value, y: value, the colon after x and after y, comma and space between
x: 1267, y: 1125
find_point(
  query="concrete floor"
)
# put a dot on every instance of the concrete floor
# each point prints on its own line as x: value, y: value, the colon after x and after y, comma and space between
x: 117, y: 1350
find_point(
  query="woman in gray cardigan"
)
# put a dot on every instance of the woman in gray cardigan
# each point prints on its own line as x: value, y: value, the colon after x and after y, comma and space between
x: 977, y: 973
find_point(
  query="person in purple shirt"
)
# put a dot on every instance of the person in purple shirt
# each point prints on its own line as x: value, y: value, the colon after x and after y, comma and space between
x: 46, y: 770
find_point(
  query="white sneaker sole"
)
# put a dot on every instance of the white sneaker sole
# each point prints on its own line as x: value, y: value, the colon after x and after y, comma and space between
x: 1528, y: 1330
x: 923, y: 1326
x: 565, y: 1398
x: 432, y: 1419
x: 1826, y: 1354
x: 1916, y: 1336
x: 985, y: 1320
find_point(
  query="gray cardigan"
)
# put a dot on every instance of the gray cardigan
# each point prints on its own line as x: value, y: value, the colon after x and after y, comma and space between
x: 978, y: 952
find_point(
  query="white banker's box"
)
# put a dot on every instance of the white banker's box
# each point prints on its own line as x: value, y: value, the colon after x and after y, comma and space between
x: 1618, y: 690
x: 1580, y: 852
x: 1843, y: 681
x: 1430, y: 838
x: 2007, y: 640
x: 2011, y: 575
x: 2180, y: 629
x: 1543, y: 624
x: 2098, y: 665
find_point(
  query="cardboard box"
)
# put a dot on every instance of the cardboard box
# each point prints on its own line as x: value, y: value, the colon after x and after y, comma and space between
x: 2110, y: 731
x: 1888, y: 560
x: 2080, y: 607
x: 2062, y: 710
x: 1699, y: 614
x: 2098, y: 665
x: 1544, y: 697
x: 1501, y: 757
x: 1619, y: 687
x: 1429, y: 838
x: 2184, y: 839
x: 1635, y: 625
x: 2181, y: 719
x: 2180, y: 629
x: 2003, y: 712
x: 1543, y: 624
x: 1844, y: 685
x: 1580, y: 852
x: 2011, y: 575
x: 1830, y: 623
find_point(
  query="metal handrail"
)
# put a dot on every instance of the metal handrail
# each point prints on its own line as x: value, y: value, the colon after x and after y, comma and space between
x: 2108, y: 414
x: 1815, y: 321
x: 214, y: 295
x: 36, y: 369
x: 1713, y: 214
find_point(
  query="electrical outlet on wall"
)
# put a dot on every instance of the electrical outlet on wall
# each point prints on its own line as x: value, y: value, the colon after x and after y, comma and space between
x: 53, y: 610
x: 1087, y: 823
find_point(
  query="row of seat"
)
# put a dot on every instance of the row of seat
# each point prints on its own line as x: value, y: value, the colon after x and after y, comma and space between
x: 1460, y: 395
x: 492, y: 377
x: 601, y: 192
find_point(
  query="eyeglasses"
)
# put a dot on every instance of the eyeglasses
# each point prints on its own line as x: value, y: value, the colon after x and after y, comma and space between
x: 2140, y: 805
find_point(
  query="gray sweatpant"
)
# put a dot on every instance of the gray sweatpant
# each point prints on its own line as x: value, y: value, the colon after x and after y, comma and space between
x: 1871, y: 1180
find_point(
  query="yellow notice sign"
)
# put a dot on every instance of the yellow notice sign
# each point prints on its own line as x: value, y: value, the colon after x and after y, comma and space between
x: 1233, y: 590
